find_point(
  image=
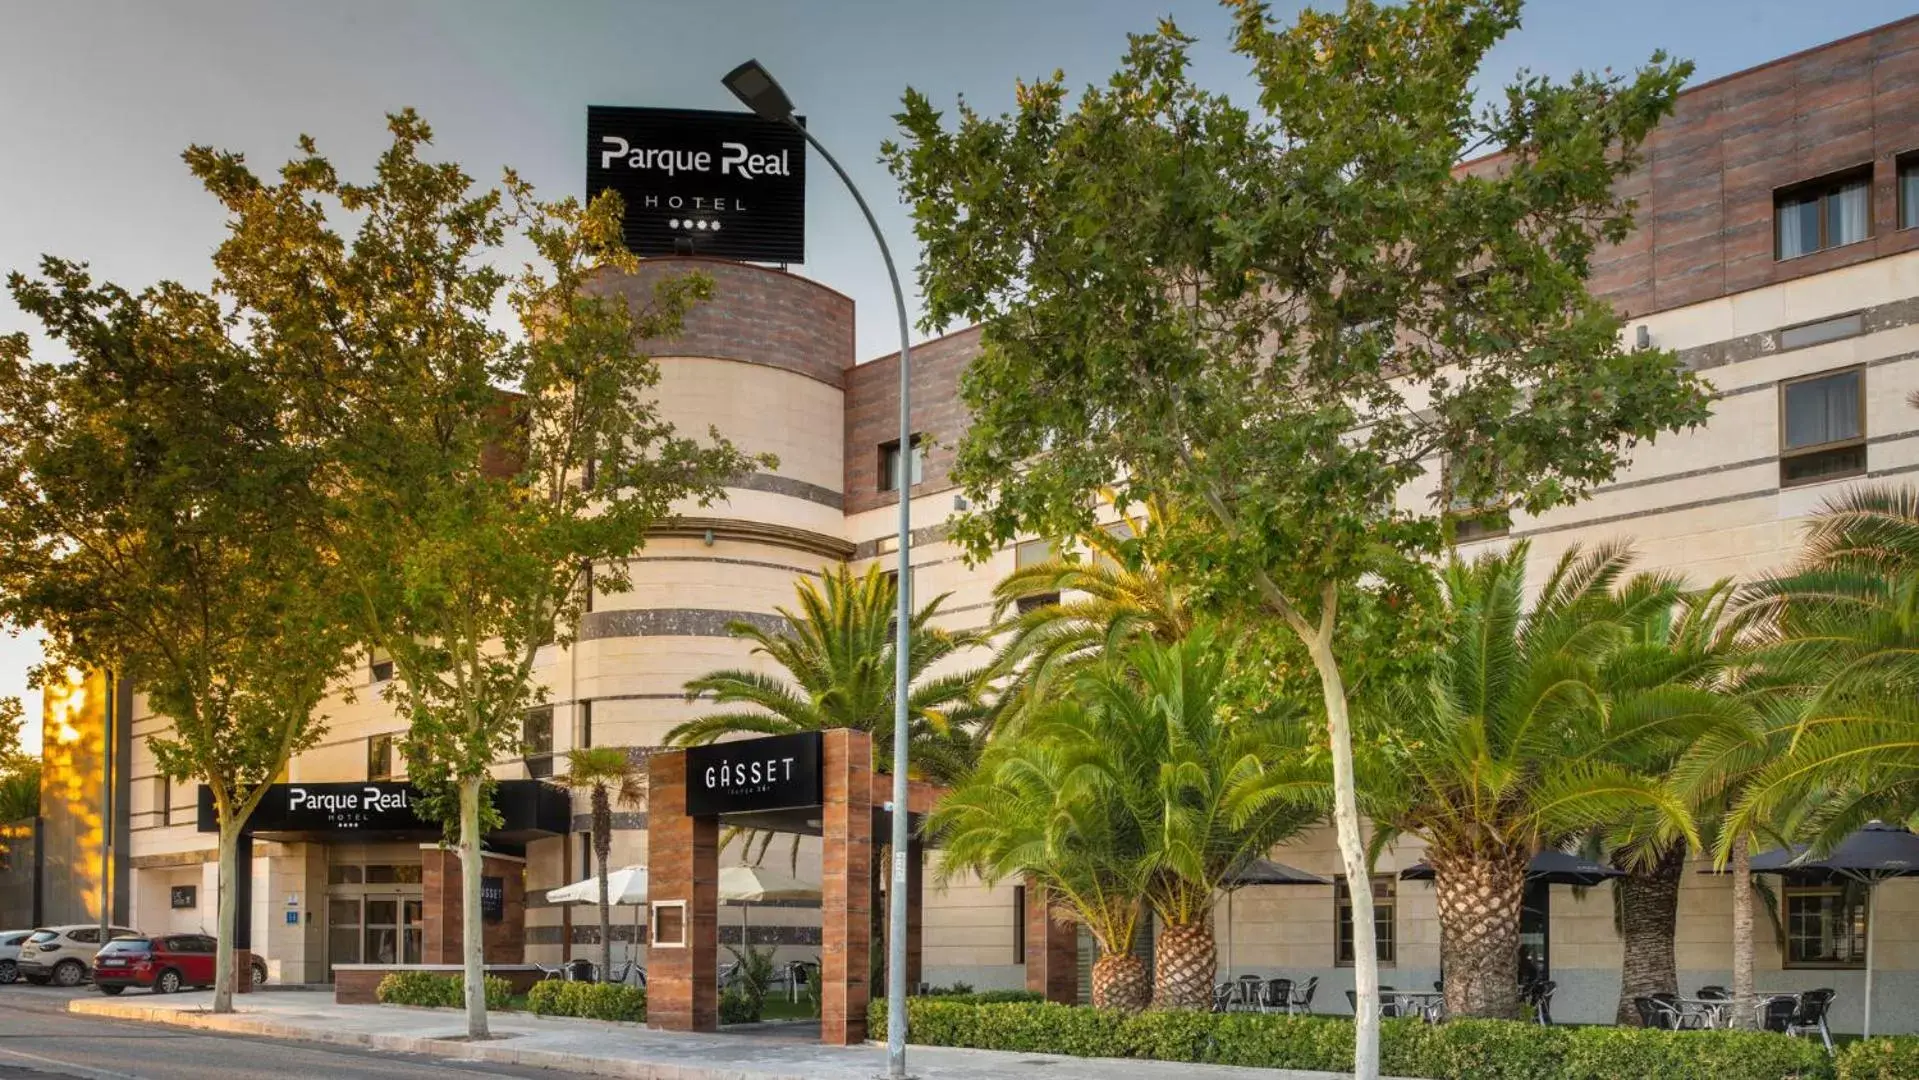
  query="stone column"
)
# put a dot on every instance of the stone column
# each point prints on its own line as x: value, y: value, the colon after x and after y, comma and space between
x: 846, y: 883
x: 1052, y: 950
x: 682, y: 864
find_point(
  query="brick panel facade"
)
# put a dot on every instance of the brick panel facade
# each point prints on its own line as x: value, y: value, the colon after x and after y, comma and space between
x: 443, y: 917
x: 873, y: 416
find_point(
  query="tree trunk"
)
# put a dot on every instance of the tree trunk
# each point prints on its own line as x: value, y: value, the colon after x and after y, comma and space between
x: 1352, y: 855
x: 1648, y: 921
x: 1119, y: 982
x: 472, y: 929
x: 1185, y: 960
x: 228, y: 917
x: 602, y: 849
x: 1743, y: 1015
x: 1480, y: 898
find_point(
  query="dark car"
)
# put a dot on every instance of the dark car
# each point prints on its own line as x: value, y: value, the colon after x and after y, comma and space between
x: 163, y: 963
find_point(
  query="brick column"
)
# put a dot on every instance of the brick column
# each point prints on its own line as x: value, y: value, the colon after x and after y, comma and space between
x: 915, y: 896
x: 683, y: 863
x: 1052, y: 950
x: 442, y: 918
x: 242, y: 971
x: 846, y: 882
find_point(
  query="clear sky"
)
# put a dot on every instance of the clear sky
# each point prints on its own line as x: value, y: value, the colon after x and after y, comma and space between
x: 97, y: 99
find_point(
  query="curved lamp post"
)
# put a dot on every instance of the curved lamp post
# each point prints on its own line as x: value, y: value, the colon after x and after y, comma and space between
x: 757, y: 89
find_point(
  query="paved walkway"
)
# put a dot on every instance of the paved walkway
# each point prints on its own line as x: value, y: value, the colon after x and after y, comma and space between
x: 598, y: 1048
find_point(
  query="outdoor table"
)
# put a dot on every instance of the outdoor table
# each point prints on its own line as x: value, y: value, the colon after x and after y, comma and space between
x: 1709, y: 1012
x: 1429, y: 1004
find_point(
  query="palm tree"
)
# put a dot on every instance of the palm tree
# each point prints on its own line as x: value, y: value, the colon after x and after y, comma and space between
x: 836, y: 653
x: 1163, y: 784
x: 608, y: 774
x: 1509, y: 747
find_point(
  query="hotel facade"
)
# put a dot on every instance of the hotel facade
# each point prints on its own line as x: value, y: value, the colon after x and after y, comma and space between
x: 1778, y: 253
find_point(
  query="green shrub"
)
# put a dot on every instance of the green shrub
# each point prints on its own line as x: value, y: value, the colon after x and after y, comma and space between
x: 591, y: 1001
x: 738, y: 1007
x: 439, y: 991
x: 1456, y: 1050
x: 1880, y: 1059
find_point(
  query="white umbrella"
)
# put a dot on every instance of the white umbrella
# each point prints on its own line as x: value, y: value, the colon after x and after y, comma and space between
x: 752, y: 884
x: 627, y: 885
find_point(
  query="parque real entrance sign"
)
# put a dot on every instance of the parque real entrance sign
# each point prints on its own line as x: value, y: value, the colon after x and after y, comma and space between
x: 725, y: 184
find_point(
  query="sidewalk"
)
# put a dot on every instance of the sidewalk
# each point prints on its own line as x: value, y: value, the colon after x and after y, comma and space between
x: 599, y: 1048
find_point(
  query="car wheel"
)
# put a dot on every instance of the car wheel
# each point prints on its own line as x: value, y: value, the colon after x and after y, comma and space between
x: 112, y: 991
x: 69, y: 973
x: 259, y: 972
x: 9, y: 971
x: 167, y: 983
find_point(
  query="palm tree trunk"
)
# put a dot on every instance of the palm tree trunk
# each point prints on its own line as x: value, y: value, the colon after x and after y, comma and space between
x: 1185, y: 960
x: 602, y: 852
x: 1480, y: 898
x: 1742, y: 997
x: 1119, y: 982
x: 1648, y: 921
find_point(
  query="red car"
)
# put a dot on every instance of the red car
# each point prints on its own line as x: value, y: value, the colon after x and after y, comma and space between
x: 163, y: 963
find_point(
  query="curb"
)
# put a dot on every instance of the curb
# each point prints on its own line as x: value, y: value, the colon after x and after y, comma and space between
x: 496, y: 1053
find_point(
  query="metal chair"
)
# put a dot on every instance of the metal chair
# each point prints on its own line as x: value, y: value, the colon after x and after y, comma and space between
x: 1277, y: 995
x: 1776, y: 1012
x: 1223, y: 996
x: 1654, y: 1013
x: 1248, y: 996
x: 1713, y: 993
x: 1809, y: 1016
x: 1681, y: 1019
x: 1388, y: 1003
x: 1303, y: 998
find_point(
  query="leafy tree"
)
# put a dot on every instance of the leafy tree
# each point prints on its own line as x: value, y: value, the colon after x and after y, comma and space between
x: 19, y: 771
x: 836, y: 653
x: 608, y: 774
x: 1512, y: 746
x: 158, y: 518
x: 457, y: 449
x: 1277, y: 320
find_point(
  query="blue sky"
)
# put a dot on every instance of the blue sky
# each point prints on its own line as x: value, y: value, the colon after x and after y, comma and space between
x: 97, y: 99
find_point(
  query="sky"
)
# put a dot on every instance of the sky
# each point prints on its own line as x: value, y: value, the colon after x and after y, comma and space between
x: 98, y: 99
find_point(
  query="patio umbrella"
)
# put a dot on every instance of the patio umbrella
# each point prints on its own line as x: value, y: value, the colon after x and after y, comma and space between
x: 627, y: 885
x: 1260, y: 872
x: 1869, y: 856
x: 1551, y: 867
x: 745, y: 885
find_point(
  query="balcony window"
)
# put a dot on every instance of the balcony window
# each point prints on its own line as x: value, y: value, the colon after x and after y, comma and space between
x: 1822, y: 428
x: 1827, y: 213
x: 890, y: 464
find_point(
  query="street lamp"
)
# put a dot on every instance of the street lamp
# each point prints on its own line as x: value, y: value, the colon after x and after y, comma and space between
x: 759, y: 91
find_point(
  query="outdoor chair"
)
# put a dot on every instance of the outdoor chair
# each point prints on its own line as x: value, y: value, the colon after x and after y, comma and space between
x: 1277, y: 996
x: 1714, y: 993
x: 1656, y: 1014
x: 1248, y: 996
x: 1303, y: 998
x: 1809, y: 1017
x: 1388, y: 1005
x: 1681, y: 1019
x: 1438, y: 987
x: 1223, y: 996
x: 1777, y: 1012
x: 1543, y: 1002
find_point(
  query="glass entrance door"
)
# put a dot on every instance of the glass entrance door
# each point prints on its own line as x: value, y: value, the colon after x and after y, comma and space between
x: 375, y: 914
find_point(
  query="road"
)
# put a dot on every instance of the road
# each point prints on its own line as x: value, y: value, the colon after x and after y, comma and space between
x: 39, y: 1038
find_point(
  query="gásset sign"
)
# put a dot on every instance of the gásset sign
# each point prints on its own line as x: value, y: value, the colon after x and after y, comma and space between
x: 778, y: 772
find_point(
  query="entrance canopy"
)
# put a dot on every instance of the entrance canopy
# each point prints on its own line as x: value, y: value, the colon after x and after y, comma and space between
x: 386, y: 809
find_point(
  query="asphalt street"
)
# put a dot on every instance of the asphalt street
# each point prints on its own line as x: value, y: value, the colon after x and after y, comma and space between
x: 38, y: 1038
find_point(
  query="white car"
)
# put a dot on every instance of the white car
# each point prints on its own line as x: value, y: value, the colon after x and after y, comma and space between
x: 63, y: 955
x: 10, y: 954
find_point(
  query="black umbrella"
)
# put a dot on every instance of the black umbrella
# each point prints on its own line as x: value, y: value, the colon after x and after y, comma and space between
x: 1260, y: 872
x: 1551, y: 867
x: 1868, y: 856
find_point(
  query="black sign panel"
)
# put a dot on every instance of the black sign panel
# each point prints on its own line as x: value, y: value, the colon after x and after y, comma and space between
x: 778, y: 772
x: 184, y: 896
x: 726, y: 184
x: 373, y: 806
x: 492, y: 899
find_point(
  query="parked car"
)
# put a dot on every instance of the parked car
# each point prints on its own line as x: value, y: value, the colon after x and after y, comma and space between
x: 10, y: 954
x: 63, y: 955
x: 163, y: 963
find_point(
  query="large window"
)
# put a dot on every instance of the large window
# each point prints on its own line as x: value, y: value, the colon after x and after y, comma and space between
x: 536, y: 735
x: 1033, y: 553
x: 1471, y: 521
x: 1822, y: 426
x: 1384, y: 905
x: 1909, y: 190
x: 890, y: 464
x: 1826, y: 213
x: 379, y: 757
x: 380, y: 671
x: 1825, y: 926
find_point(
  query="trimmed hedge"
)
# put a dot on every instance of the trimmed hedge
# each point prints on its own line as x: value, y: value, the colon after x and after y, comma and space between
x: 591, y: 1001
x: 1895, y: 1058
x: 438, y: 991
x: 1456, y: 1050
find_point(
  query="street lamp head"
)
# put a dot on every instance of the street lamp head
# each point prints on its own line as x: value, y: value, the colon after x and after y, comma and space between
x: 757, y: 90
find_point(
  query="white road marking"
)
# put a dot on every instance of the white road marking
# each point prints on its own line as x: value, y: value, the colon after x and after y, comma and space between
x: 69, y: 1068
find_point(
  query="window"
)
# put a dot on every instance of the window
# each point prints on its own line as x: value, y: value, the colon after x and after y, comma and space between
x: 1822, y: 426
x: 584, y: 738
x: 87, y: 936
x: 1383, y: 908
x: 1825, y: 926
x: 1909, y: 190
x: 586, y: 855
x: 382, y: 671
x: 1033, y: 553
x: 1816, y: 333
x: 536, y: 736
x: 586, y: 586
x: 1826, y: 213
x: 1019, y: 924
x: 379, y: 757
x: 1471, y: 521
x: 890, y: 464
x: 162, y: 801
